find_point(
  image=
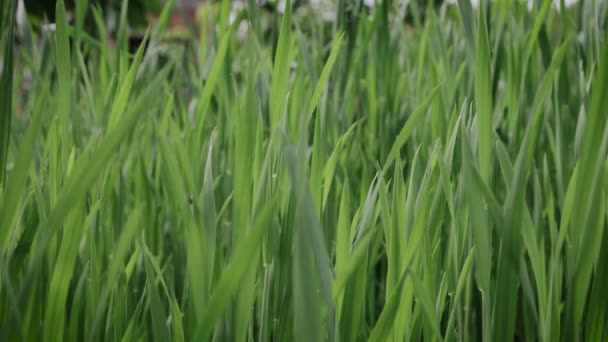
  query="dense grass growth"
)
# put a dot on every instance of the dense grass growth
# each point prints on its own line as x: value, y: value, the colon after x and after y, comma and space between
x: 366, y: 179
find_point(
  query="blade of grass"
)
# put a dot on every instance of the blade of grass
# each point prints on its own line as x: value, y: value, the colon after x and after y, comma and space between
x: 6, y: 91
x: 64, y: 65
x: 123, y: 245
x: 15, y: 189
x: 228, y: 283
x: 590, y: 178
x: 412, y: 122
x: 483, y: 97
x: 280, y: 70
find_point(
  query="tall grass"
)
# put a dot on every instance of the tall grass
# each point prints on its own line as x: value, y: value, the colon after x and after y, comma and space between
x: 369, y: 179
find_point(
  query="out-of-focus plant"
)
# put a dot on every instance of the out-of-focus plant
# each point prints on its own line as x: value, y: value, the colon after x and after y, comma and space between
x: 39, y: 11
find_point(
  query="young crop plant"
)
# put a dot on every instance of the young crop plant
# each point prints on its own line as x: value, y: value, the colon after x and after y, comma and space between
x: 384, y: 171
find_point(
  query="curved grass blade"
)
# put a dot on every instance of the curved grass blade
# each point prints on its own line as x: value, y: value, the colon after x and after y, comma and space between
x: 408, y: 128
x: 16, y: 188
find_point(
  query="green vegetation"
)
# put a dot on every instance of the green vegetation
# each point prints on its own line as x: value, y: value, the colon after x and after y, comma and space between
x: 372, y: 178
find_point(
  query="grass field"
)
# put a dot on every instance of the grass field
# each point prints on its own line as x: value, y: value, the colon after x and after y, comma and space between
x: 372, y: 178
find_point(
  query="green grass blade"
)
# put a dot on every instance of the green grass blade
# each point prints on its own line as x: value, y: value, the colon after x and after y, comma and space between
x: 64, y: 65
x: 228, y: 283
x: 468, y: 21
x: 412, y: 122
x: 464, y: 274
x: 6, y: 90
x: 213, y: 78
x: 590, y: 178
x: 333, y: 55
x: 280, y: 70
x: 15, y: 189
x: 481, y: 229
x: 121, y: 250
x: 124, y: 91
x: 483, y: 97
x: 159, y: 326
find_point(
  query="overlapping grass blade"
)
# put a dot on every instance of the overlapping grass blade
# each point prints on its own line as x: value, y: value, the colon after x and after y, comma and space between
x: 586, y: 213
x: 6, y: 88
x: 280, y: 70
x: 228, y: 283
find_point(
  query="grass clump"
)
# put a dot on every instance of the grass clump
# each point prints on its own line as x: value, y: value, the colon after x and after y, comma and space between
x: 373, y: 178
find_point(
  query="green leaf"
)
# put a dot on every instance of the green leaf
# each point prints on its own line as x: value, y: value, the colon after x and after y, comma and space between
x: 462, y: 278
x: 383, y: 326
x: 120, y: 252
x: 228, y: 284
x: 311, y: 272
x: 15, y: 189
x: 314, y: 100
x: 408, y: 128
x: 124, y: 91
x: 6, y: 90
x: 212, y: 79
x: 468, y: 21
x: 280, y: 70
x: 64, y: 66
x: 483, y: 97
x: 157, y: 315
x: 586, y: 213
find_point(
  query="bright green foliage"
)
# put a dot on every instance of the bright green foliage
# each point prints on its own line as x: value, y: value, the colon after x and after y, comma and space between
x: 376, y: 178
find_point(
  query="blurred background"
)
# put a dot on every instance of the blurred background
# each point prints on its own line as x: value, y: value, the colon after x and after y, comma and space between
x: 190, y: 17
x: 140, y: 12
